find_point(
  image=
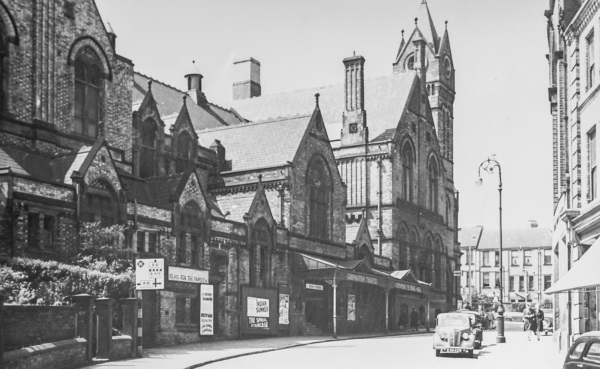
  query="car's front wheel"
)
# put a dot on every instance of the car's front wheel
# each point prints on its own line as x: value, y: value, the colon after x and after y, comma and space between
x: 437, y: 353
x: 470, y: 354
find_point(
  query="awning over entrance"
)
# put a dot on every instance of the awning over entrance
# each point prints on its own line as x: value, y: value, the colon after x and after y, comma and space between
x: 359, y: 271
x: 583, y: 273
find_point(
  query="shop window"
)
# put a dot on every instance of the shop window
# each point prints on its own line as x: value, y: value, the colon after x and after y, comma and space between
x: 88, y: 92
x: 318, y: 184
x: 180, y: 310
x: 148, y: 131
x: 141, y: 241
x: 407, y: 172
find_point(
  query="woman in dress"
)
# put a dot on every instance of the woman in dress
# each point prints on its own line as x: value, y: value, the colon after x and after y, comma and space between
x: 538, y: 316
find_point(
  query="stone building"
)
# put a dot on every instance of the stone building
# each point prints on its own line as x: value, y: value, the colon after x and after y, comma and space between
x: 290, y: 222
x: 573, y: 30
x: 527, y: 264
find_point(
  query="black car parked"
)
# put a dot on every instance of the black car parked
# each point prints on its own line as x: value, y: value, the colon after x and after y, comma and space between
x: 584, y: 353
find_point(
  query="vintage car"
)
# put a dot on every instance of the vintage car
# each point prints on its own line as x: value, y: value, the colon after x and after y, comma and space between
x: 477, y: 325
x: 584, y: 353
x: 454, y: 334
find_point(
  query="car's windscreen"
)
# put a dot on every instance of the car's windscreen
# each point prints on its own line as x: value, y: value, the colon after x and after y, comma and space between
x: 453, y: 320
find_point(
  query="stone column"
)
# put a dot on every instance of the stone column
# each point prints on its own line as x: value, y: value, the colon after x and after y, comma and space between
x: 104, y: 309
x: 130, y: 321
x: 85, y: 316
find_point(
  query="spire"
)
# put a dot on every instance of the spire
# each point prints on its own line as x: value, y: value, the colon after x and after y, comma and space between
x: 426, y: 26
x: 402, y: 44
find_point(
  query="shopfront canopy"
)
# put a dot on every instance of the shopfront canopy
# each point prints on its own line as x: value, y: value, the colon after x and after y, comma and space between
x: 583, y: 274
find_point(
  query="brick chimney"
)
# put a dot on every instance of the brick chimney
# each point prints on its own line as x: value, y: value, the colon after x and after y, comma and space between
x: 246, y: 79
x: 194, y: 79
x: 354, y: 128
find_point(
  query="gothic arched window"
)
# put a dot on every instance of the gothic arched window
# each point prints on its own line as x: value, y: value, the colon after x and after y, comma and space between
x: 148, y: 130
x: 410, y: 62
x: 318, y: 185
x: 407, y: 172
x: 183, y: 151
x: 190, y: 230
x: 88, y: 92
x: 433, y: 185
x: 260, y: 255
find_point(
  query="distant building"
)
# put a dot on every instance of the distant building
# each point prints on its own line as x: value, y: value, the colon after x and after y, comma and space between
x: 574, y: 95
x: 527, y: 261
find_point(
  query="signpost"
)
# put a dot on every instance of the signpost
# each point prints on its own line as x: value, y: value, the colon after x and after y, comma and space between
x: 150, y: 274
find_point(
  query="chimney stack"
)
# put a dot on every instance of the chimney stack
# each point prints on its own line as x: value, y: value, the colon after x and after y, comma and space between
x: 194, y: 79
x: 533, y: 223
x: 354, y: 128
x: 247, y: 79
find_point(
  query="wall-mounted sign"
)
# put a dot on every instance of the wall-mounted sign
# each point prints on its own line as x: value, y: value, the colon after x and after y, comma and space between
x: 150, y: 274
x: 206, y: 310
x: 258, y: 312
x: 317, y: 287
x: 188, y: 275
x: 284, y: 308
x: 351, y: 307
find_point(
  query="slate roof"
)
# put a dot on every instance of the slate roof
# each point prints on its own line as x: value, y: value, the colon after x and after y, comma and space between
x: 516, y: 238
x: 169, y: 101
x: 35, y: 165
x: 385, y: 100
x: 237, y: 206
x: 259, y: 145
x: 469, y: 236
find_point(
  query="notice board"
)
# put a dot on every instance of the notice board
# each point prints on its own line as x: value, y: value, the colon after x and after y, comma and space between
x: 260, y: 311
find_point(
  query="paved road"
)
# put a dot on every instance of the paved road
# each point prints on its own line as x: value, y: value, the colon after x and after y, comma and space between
x: 406, y: 352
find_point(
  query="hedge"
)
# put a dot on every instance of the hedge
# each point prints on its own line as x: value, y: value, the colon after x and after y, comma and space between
x: 32, y: 281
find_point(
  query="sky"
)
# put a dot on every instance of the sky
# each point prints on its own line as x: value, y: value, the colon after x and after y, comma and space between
x: 498, y: 49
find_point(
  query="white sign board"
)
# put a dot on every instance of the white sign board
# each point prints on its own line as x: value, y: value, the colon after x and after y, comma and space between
x: 317, y: 287
x: 206, y: 310
x: 258, y: 312
x: 284, y: 308
x: 188, y: 275
x: 150, y: 274
x: 457, y: 273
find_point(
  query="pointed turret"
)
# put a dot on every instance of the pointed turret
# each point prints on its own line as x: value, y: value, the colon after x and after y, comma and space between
x: 426, y: 26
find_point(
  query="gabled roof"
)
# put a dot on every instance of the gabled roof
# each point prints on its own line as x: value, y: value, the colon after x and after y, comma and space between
x: 385, y: 101
x: 169, y: 101
x: 526, y: 238
x: 39, y: 166
x: 470, y: 236
x: 259, y: 145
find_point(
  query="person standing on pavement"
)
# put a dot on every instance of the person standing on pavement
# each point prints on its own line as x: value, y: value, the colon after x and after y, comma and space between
x: 538, y: 316
x: 414, y: 319
x: 529, y: 321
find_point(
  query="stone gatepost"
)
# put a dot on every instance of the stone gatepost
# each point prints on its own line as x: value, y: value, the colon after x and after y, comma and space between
x: 130, y: 321
x: 104, y: 310
x: 85, y: 321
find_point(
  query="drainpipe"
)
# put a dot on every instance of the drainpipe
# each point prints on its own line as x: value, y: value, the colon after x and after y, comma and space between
x: 379, y: 197
x: 334, y: 285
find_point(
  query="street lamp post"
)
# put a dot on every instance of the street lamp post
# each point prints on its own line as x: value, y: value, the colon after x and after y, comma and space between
x: 491, y: 165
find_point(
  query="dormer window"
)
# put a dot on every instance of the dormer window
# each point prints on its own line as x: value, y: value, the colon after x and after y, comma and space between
x: 88, y: 93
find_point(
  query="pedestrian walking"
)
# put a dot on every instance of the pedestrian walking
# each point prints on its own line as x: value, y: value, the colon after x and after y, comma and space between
x: 529, y: 322
x: 538, y: 316
x: 414, y: 319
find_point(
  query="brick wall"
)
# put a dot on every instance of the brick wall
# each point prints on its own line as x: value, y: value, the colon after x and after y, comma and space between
x: 65, y: 354
x: 30, y: 325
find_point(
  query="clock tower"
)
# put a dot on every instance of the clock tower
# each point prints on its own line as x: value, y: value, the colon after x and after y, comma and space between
x: 434, y: 51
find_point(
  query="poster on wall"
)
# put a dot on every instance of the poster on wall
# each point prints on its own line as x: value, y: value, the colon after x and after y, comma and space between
x: 258, y: 313
x: 351, y: 307
x: 284, y: 308
x: 206, y: 310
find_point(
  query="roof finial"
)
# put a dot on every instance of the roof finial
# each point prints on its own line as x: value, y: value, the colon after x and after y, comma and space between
x: 317, y: 98
x: 149, y: 85
x: 184, y: 98
x: 416, y: 20
x: 446, y: 22
x: 260, y: 178
x: 402, y: 34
